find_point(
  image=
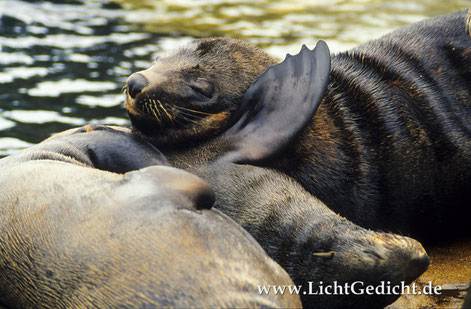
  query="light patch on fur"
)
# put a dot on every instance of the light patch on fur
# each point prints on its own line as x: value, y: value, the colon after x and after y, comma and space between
x: 216, y: 120
x: 131, y: 107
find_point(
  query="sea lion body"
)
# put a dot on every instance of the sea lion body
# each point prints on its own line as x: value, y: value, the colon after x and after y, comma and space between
x: 388, y: 147
x: 313, y: 244
x: 148, y: 233
x: 76, y: 236
x: 397, y: 117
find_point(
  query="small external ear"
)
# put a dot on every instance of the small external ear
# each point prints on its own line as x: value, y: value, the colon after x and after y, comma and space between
x: 279, y: 105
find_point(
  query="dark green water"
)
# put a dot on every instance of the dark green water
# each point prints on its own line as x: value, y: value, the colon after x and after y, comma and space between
x: 63, y: 63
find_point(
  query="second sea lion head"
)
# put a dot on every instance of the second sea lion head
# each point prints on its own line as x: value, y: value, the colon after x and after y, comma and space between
x: 191, y: 93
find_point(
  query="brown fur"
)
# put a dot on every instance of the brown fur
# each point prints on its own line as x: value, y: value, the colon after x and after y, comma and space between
x: 170, y: 101
x: 389, y: 146
x: 311, y: 242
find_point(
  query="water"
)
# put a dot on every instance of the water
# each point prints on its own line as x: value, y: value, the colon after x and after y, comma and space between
x: 63, y: 63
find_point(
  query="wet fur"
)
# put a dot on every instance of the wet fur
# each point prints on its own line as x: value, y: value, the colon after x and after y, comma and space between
x: 389, y: 146
x: 311, y: 242
x: 76, y: 236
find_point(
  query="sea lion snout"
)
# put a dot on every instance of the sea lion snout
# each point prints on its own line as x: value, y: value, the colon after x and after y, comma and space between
x: 417, y: 265
x: 136, y: 83
x: 371, y: 259
x: 404, y: 255
x: 418, y: 259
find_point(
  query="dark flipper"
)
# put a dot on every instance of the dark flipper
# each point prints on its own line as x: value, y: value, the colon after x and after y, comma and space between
x: 106, y: 148
x: 279, y: 105
x: 115, y: 150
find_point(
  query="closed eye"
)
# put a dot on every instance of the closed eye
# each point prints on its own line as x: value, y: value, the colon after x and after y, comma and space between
x: 202, y: 87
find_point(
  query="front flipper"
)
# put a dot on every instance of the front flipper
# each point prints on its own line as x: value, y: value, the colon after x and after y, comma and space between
x: 115, y: 149
x: 106, y: 148
x: 279, y: 105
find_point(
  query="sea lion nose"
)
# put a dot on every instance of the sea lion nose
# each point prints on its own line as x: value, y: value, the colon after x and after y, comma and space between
x: 417, y: 265
x: 136, y: 83
x: 400, y: 253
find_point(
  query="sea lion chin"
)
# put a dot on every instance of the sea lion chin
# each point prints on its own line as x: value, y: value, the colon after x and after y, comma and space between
x: 165, y: 132
x: 191, y: 94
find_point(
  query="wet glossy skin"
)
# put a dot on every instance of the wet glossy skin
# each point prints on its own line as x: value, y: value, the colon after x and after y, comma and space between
x: 77, y: 236
x: 311, y: 242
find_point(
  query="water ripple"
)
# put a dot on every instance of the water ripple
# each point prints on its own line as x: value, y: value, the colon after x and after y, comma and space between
x: 63, y: 64
x: 54, y: 89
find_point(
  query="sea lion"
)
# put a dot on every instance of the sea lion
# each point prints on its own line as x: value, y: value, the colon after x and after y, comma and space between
x: 317, y: 247
x: 74, y: 236
x: 312, y: 242
x: 300, y: 232
x: 388, y: 146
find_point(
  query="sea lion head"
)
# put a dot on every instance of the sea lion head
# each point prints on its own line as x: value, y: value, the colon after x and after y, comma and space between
x: 229, y: 88
x: 192, y: 92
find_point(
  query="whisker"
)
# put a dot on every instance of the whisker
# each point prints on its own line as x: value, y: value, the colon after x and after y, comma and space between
x: 156, y: 107
x: 190, y: 115
x: 194, y: 111
x: 146, y: 107
x: 163, y: 108
x: 179, y: 122
x: 189, y: 120
x: 155, y: 115
x: 150, y: 109
x: 168, y: 115
x: 198, y: 123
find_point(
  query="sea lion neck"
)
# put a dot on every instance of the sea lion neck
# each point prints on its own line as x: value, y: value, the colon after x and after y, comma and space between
x: 197, y: 155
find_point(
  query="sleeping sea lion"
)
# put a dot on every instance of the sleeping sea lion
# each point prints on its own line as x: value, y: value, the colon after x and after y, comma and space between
x: 317, y: 247
x: 75, y: 236
x: 380, y: 134
x: 305, y: 237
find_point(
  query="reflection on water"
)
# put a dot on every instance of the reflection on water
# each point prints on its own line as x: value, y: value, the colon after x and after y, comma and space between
x: 63, y: 63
